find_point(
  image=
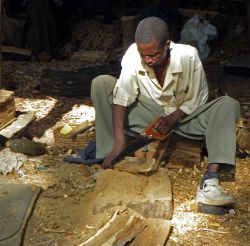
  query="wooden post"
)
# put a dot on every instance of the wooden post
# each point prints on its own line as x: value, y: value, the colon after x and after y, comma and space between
x: 0, y: 44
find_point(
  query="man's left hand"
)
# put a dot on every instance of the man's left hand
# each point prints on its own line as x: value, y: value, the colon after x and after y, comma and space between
x: 167, y: 123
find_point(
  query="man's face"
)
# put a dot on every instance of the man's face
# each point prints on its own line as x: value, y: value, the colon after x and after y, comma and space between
x: 151, y: 54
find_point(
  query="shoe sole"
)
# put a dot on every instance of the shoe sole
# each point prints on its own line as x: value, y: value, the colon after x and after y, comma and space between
x: 214, y: 203
x: 215, y: 210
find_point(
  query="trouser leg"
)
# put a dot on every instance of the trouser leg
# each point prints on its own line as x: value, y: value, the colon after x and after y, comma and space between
x: 101, y: 95
x: 139, y: 114
x: 217, y: 125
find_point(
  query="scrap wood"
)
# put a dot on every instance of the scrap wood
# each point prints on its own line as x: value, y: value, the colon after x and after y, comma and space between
x: 137, y: 165
x: 18, y: 125
x: 124, y: 226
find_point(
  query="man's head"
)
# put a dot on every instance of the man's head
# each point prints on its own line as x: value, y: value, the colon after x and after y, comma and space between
x: 152, y: 39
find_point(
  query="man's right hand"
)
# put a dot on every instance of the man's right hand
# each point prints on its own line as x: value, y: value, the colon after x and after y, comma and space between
x: 117, y: 149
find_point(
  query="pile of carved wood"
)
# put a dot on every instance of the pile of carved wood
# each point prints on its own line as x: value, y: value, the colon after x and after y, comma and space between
x: 95, y: 41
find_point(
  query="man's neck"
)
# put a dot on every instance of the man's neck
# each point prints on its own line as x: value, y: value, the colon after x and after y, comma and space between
x: 161, y: 70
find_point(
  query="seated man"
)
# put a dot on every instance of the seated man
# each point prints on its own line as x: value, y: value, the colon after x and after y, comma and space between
x: 160, y: 77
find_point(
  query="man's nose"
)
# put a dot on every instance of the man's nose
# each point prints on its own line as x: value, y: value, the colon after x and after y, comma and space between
x: 147, y: 59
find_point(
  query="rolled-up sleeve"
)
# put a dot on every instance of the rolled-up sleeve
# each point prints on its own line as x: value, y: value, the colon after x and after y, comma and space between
x: 196, y: 92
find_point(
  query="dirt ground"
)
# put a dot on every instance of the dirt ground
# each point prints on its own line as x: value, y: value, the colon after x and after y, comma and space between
x: 61, y: 216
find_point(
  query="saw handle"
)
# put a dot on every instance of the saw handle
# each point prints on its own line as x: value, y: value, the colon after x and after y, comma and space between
x: 151, y: 132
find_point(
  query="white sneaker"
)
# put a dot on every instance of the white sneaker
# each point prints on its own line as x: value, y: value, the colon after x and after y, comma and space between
x: 212, y: 194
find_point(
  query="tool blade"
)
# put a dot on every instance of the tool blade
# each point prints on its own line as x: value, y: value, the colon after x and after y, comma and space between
x: 136, y: 144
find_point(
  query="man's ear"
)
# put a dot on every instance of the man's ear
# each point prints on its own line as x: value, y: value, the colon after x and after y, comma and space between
x: 168, y: 44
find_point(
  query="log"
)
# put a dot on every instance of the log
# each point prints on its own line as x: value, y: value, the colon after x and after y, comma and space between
x: 74, y: 83
x: 150, y: 196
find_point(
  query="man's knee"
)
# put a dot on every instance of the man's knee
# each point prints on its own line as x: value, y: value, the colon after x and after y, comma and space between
x: 230, y: 102
x: 102, y: 83
x: 231, y: 105
x: 102, y: 80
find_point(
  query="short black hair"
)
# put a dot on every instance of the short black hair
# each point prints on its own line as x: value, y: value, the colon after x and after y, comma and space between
x: 152, y: 28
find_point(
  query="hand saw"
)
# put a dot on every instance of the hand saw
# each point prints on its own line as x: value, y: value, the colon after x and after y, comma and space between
x: 149, y: 135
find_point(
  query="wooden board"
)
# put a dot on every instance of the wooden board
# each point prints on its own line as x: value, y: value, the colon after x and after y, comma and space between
x: 150, y: 196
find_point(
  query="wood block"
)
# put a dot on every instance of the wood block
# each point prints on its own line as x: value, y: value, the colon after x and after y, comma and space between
x: 150, y: 196
x: 7, y: 108
x: 184, y: 152
x: 178, y: 152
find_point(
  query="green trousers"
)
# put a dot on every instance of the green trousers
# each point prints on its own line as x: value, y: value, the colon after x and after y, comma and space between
x: 213, y: 122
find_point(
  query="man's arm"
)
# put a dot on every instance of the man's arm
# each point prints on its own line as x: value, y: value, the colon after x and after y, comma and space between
x: 118, y: 116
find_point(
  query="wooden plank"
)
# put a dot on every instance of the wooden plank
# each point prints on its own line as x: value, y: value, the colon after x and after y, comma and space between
x: 15, y: 50
x: 18, y: 125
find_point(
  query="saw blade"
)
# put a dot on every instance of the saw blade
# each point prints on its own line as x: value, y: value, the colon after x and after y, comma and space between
x: 139, y: 142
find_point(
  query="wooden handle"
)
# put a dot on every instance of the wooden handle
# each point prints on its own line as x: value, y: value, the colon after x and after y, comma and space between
x: 151, y: 132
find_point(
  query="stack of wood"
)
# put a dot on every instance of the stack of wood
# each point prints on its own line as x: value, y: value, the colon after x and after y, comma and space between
x: 74, y: 83
x: 94, y: 40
